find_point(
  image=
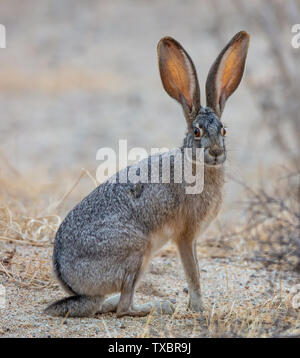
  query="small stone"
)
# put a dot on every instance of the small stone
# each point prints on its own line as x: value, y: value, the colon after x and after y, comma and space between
x: 189, y: 322
x: 296, y: 301
x: 295, y: 289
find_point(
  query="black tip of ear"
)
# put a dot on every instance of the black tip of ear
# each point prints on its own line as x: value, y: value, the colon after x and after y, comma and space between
x: 243, y: 33
x: 167, y: 41
x: 163, y: 41
x: 241, y: 36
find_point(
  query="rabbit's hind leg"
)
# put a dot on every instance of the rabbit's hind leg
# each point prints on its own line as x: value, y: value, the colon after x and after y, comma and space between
x: 127, y: 308
x: 125, y: 304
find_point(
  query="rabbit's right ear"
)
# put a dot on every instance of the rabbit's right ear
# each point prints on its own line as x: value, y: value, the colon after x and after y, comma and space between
x: 226, y: 73
x: 179, y: 76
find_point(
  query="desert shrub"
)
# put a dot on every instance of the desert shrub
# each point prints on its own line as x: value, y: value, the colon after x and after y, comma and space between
x: 273, y: 219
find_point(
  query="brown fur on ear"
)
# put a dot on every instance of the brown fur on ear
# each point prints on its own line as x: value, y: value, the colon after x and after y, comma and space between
x: 227, y: 71
x: 178, y: 74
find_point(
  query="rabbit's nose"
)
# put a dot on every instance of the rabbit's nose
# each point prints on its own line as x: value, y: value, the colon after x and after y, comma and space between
x: 215, y: 151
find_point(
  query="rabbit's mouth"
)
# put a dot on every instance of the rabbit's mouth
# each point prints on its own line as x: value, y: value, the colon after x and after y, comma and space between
x: 214, y: 160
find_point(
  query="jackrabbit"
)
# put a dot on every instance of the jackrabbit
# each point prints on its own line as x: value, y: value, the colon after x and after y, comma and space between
x: 106, y: 242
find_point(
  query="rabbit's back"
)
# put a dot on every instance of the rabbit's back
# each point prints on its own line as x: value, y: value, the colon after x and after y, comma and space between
x: 114, y: 211
x: 140, y: 205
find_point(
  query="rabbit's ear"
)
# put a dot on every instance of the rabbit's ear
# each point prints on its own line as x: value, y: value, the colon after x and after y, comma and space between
x: 227, y: 71
x: 178, y: 75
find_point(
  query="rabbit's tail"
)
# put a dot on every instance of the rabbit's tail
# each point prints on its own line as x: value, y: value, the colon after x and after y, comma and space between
x: 75, y: 306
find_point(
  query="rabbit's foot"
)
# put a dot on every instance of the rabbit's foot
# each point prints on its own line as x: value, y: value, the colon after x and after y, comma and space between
x: 195, y: 306
x: 156, y: 308
x: 136, y: 311
x: 110, y: 304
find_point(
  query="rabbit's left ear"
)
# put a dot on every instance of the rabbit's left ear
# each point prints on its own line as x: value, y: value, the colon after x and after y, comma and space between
x: 227, y: 71
x: 178, y: 75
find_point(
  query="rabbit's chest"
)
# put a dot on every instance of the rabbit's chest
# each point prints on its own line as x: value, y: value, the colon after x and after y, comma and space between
x: 204, y: 221
x: 161, y: 237
x: 202, y: 213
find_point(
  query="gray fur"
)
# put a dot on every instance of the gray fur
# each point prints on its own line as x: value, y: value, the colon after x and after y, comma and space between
x: 75, y: 306
x: 105, y: 243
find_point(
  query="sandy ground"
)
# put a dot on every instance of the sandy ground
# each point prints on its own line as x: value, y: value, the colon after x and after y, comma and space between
x: 241, y: 300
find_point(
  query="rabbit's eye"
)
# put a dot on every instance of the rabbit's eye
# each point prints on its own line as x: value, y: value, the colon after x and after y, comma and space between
x: 223, y: 131
x: 198, y: 132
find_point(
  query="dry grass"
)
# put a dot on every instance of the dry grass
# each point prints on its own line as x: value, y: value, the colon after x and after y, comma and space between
x: 272, y: 318
x: 274, y: 214
x: 271, y: 232
x: 30, y: 214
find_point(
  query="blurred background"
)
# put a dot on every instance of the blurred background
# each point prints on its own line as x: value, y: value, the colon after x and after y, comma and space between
x: 75, y: 78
